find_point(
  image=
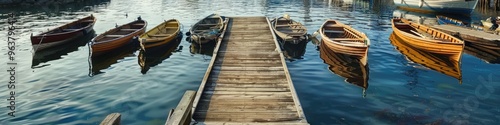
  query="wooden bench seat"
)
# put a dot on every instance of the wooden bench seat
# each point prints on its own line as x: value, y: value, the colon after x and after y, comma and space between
x: 128, y: 29
x: 333, y: 31
x: 288, y: 25
x: 333, y: 26
x: 114, y: 35
x: 347, y: 39
x: 207, y: 24
x: 159, y: 35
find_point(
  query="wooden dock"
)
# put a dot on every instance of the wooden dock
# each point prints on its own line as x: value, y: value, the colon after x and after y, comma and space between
x: 247, y: 81
x: 481, y: 38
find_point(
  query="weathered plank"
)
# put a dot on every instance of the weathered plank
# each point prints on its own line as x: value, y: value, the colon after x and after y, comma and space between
x: 111, y: 119
x: 182, y: 112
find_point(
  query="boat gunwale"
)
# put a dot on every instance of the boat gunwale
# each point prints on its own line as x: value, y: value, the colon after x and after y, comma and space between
x: 102, y: 35
x: 364, y: 44
x: 177, y: 31
x: 48, y: 34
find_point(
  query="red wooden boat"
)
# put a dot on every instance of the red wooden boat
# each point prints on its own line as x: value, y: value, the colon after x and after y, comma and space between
x: 62, y: 34
x: 117, y: 37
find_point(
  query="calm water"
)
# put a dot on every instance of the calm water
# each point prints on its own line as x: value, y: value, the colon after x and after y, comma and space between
x: 64, y: 86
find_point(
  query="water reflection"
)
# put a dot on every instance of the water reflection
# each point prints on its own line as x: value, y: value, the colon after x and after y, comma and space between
x: 205, y: 49
x: 56, y: 9
x: 155, y: 55
x: 484, y: 53
x: 294, y: 51
x: 346, y: 66
x: 439, y: 63
x: 421, y: 18
x: 98, y: 63
x: 56, y: 52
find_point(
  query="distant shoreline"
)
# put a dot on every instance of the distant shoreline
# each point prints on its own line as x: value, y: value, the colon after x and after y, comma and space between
x: 15, y: 3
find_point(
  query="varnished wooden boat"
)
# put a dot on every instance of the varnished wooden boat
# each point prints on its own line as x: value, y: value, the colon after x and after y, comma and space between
x: 428, y: 39
x: 289, y: 30
x: 63, y: 34
x: 447, y: 65
x: 442, y: 20
x: 344, y: 39
x: 161, y: 34
x: 487, y: 24
x: 156, y: 55
x: 117, y: 37
x: 207, y: 29
x: 347, y: 66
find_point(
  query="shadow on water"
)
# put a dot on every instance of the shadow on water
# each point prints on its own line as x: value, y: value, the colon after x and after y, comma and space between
x: 57, y: 52
x: 203, y: 49
x: 104, y: 61
x: 346, y: 66
x: 155, y: 55
x: 488, y: 55
x: 292, y: 51
x: 436, y: 62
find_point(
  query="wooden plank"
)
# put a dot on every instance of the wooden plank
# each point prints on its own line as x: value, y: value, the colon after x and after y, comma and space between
x: 247, y: 91
x: 251, y: 123
x: 111, y: 119
x: 181, y: 113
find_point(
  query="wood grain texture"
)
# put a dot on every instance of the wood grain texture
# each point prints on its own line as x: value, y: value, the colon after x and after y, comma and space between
x: 247, y: 81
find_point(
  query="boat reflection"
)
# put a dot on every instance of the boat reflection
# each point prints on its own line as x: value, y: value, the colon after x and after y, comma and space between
x: 439, y: 63
x: 204, y: 49
x: 155, y: 55
x: 56, y: 53
x: 488, y: 55
x: 346, y: 66
x: 104, y: 61
x: 294, y: 51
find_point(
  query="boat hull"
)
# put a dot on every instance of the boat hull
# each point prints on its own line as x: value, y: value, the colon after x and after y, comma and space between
x: 207, y: 29
x: 148, y: 41
x: 453, y: 48
x: 47, y: 39
x: 294, y: 33
x: 100, y: 46
x: 354, y: 43
x: 441, y: 6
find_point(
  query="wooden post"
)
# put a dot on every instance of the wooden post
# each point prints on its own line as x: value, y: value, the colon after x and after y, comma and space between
x: 111, y: 119
x: 182, y: 113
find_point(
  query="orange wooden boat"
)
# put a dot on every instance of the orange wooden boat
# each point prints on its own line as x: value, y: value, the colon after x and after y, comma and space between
x: 428, y: 39
x: 343, y: 39
x: 440, y: 63
x: 117, y: 37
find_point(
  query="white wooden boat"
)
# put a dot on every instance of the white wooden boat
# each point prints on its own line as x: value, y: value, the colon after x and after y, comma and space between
x: 440, y: 6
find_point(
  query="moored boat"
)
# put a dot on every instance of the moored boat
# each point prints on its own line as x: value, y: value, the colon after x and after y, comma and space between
x: 344, y: 39
x: 117, y: 37
x: 439, y: 6
x: 488, y: 23
x: 63, y: 34
x: 445, y: 64
x: 207, y: 29
x: 161, y: 34
x: 447, y: 20
x: 289, y: 30
x: 427, y: 39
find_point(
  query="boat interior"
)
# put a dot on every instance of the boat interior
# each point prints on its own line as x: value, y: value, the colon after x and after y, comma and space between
x: 123, y: 31
x: 164, y: 30
x: 290, y: 27
x: 421, y: 31
x: 72, y: 26
x: 340, y: 33
x: 208, y: 24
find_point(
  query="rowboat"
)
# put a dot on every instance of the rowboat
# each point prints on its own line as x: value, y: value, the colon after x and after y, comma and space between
x: 117, y: 37
x: 439, y: 6
x: 427, y: 39
x: 289, y: 30
x: 441, y: 63
x: 161, y: 34
x: 349, y: 67
x: 56, y: 53
x: 156, y: 55
x: 421, y: 18
x: 488, y: 24
x: 344, y: 39
x: 207, y: 29
x: 63, y: 34
x: 442, y: 20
